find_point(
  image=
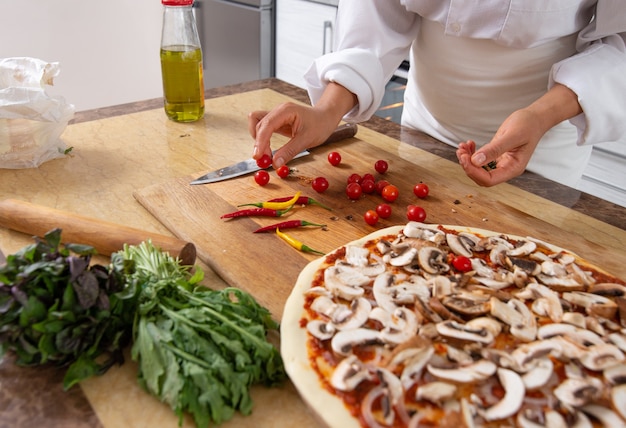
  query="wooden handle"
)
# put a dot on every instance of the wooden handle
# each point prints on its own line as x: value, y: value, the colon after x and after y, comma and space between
x: 105, y: 237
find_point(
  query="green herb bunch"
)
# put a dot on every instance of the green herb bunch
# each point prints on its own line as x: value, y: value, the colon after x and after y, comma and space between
x: 199, y: 350
x: 57, y: 308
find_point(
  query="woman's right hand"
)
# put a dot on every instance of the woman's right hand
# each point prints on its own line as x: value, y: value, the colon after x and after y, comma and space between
x: 305, y: 126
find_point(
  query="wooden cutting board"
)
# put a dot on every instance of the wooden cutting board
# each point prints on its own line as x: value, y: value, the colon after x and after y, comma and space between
x: 268, y: 267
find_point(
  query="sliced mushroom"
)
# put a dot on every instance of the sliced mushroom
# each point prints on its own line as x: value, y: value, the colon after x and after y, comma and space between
x: 402, y: 256
x: 477, y: 371
x: 462, y: 244
x: 456, y: 330
x: 492, y: 283
x: 615, y: 375
x: 504, y: 312
x: 553, y: 307
x: 414, y: 366
x: 608, y: 289
x: 601, y: 356
x: 401, y: 327
x: 527, y: 330
x: 594, y: 304
x: 349, y: 373
x: 539, y: 375
x: 357, y: 255
x: 523, y: 248
x: 575, y: 318
x: 607, y: 417
x: 343, y: 342
x: 618, y: 398
x: 458, y: 356
x: 527, y: 355
x: 513, y: 396
x: 382, y: 291
x: 436, y: 392
x: 321, y: 329
x: 551, y: 419
x: 468, y: 304
x: 345, y: 282
x: 433, y: 260
x: 577, y: 392
x: 355, y: 316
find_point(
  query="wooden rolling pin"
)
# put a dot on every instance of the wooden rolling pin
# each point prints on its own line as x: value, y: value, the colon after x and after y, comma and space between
x: 105, y: 237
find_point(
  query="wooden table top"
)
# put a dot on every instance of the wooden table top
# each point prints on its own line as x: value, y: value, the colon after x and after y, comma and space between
x: 120, y: 150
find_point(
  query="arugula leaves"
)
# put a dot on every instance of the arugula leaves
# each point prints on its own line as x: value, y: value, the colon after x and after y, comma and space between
x: 199, y: 350
x: 57, y: 308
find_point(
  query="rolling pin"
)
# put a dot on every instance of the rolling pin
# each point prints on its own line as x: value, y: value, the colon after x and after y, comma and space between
x: 105, y: 237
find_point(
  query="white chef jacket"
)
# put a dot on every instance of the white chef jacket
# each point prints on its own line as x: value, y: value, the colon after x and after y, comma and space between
x: 474, y: 62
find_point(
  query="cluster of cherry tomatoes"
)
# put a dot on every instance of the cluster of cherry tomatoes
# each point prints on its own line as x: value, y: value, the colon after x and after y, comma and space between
x: 356, y: 186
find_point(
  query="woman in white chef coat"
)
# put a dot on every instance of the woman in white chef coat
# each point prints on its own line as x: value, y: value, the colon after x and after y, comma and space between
x: 536, y: 83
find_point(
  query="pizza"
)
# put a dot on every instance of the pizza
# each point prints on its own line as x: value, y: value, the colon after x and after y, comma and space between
x: 433, y: 325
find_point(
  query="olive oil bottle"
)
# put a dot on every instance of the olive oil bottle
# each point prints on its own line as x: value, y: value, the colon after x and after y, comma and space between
x: 181, y: 63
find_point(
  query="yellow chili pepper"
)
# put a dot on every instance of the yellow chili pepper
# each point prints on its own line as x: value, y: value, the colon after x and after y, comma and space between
x: 275, y: 205
x: 296, y: 244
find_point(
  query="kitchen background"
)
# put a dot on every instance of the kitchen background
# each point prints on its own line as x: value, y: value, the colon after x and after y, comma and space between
x: 108, y: 53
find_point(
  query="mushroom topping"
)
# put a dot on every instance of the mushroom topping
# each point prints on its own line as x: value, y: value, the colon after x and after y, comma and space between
x: 433, y: 260
x: 616, y: 375
x: 353, y: 317
x: 469, y: 304
x: 550, y: 302
x: 435, y: 392
x: 456, y: 330
x: 618, y: 397
x: 401, y: 256
x: 415, y: 229
x: 345, y: 282
x: 527, y: 355
x: 413, y: 367
x: 349, y: 373
x: 539, y: 375
x: 401, y: 327
x: 522, y: 248
x: 478, y: 371
x: 481, y: 268
x: 594, y: 304
x: 320, y: 329
x: 527, y: 330
x: 530, y: 267
x: 577, y: 392
x: 357, y: 255
x: 575, y: 318
x: 601, y: 356
x: 505, y: 312
x: 513, y: 396
x: 343, y: 342
x: 382, y: 291
x: 458, y: 356
x: 607, y: 417
x: 551, y: 419
x: 608, y: 289
x: 462, y: 244
x: 489, y: 324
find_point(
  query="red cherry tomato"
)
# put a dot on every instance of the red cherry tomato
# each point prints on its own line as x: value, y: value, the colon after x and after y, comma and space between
x: 383, y: 210
x: 462, y: 264
x: 354, y: 178
x: 371, y: 217
x: 262, y: 177
x: 264, y: 161
x: 421, y: 190
x: 380, y: 185
x: 354, y: 191
x: 390, y: 193
x: 319, y: 184
x: 415, y: 213
x: 381, y: 166
x: 368, y: 186
x: 368, y: 176
x: 283, y: 171
x: 334, y: 158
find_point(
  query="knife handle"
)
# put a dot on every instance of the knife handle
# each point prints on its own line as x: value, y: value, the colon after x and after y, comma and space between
x: 342, y: 132
x: 105, y: 237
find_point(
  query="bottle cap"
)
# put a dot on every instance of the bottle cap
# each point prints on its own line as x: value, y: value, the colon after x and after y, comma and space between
x: 177, y: 2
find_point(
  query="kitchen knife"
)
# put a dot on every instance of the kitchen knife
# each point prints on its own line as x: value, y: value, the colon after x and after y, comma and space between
x: 248, y: 166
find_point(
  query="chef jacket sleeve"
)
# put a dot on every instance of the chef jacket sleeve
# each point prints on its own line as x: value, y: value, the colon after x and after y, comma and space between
x: 372, y: 39
x: 597, y: 74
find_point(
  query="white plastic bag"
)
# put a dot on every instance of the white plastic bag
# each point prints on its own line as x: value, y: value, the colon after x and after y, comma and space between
x: 31, y: 121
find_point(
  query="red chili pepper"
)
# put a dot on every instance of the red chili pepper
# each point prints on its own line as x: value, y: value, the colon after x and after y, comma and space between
x: 259, y: 212
x: 289, y: 224
x: 302, y: 200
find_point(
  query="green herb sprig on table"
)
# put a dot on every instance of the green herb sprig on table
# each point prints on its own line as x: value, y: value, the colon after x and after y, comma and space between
x: 55, y: 307
x: 199, y: 350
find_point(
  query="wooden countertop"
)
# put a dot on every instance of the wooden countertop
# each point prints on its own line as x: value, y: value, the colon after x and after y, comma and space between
x: 122, y: 149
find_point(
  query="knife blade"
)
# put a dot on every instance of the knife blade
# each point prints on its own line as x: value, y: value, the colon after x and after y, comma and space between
x: 248, y: 166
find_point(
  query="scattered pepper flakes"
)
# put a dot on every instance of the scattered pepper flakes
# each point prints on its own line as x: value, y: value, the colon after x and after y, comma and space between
x: 456, y: 202
x: 349, y: 217
x: 184, y: 135
x: 334, y: 218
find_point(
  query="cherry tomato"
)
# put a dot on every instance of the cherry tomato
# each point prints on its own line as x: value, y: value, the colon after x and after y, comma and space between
x: 368, y: 186
x: 368, y: 176
x: 381, y: 166
x: 390, y: 193
x: 383, y: 210
x: 421, y: 190
x: 354, y: 191
x: 264, y: 161
x: 334, y: 158
x: 462, y: 264
x: 415, y: 213
x: 371, y: 217
x: 354, y: 178
x: 380, y: 185
x: 262, y: 177
x: 319, y: 184
x: 283, y: 171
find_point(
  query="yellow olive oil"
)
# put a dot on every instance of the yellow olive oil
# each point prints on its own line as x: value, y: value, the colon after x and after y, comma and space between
x: 183, y: 82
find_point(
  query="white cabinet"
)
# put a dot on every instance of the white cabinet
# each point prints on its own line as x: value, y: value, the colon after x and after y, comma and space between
x: 605, y: 175
x: 304, y: 31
